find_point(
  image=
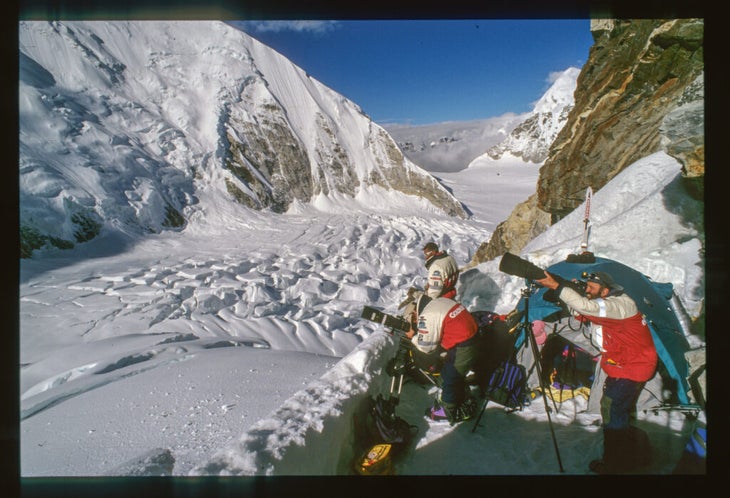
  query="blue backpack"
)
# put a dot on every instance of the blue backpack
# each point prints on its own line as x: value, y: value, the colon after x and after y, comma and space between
x: 508, y: 385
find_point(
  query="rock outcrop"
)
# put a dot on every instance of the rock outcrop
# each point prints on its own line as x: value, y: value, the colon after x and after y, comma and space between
x: 641, y: 91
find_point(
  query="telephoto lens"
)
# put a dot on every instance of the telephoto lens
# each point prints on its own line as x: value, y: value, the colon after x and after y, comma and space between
x: 514, y: 265
x: 377, y: 316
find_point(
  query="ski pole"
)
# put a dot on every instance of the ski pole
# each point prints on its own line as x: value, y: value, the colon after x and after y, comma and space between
x: 586, y: 220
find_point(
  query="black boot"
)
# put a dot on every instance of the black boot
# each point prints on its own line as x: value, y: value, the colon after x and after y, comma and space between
x: 615, y: 453
x: 640, y: 447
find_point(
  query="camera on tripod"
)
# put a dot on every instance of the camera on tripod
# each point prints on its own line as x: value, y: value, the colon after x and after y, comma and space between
x: 377, y: 316
x: 514, y: 265
x: 407, y: 360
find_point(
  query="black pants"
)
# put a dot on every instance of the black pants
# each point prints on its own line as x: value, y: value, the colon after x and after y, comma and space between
x: 459, y: 360
x: 625, y: 446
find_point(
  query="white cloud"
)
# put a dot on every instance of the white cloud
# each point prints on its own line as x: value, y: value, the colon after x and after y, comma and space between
x: 316, y: 27
x: 553, y: 76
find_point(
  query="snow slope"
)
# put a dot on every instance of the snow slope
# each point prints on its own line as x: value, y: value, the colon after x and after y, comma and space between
x: 130, y: 126
x: 239, y: 351
x: 235, y: 347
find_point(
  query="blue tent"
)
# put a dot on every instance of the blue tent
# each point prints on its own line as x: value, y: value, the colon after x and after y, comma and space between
x: 652, y: 299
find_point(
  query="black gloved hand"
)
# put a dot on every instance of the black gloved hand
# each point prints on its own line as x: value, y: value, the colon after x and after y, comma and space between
x: 551, y: 296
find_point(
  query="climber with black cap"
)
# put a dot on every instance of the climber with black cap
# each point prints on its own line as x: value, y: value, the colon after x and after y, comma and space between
x: 628, y: 357
x: 443, y: 272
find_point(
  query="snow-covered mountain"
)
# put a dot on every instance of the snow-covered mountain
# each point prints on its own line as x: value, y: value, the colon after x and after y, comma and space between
x: 129, y: 127
x: 531, y: 139
x: 453, y: 146
x: 235, y: 346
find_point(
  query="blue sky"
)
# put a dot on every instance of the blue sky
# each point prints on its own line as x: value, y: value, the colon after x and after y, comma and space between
x: 430, y: 71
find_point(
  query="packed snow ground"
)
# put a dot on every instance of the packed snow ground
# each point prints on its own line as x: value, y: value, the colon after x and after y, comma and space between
x: 236, y: 347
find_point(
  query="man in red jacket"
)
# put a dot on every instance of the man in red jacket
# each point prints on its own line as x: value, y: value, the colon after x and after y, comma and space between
x: 629, y: 359
x: 444, y: 327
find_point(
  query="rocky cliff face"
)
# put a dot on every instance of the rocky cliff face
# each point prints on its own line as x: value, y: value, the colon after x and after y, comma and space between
x: 641, y: 91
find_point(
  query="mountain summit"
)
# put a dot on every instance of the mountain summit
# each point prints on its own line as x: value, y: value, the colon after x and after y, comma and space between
x: 532, y: 138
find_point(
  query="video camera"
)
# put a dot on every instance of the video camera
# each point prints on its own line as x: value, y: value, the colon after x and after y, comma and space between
x: 408, y: 360
x: 514, y: 265
x: 394, y: 322
x: 377, y: 316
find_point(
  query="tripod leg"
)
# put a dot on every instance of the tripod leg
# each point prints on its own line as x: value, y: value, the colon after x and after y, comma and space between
x: 536, y: 354
x: 481, y: 412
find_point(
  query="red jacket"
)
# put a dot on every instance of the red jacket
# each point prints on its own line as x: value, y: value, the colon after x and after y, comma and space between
x: 459, y: 326
x: 443, y: 322
x: 629, y: 348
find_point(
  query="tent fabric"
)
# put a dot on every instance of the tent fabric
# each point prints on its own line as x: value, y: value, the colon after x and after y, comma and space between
x: 652, y: 299
x: 566, y: 365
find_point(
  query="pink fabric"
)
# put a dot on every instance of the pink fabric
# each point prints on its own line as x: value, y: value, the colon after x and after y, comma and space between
x: 538, y: 330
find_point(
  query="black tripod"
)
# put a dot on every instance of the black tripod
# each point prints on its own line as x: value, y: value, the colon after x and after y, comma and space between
x: 527, y: 328
x: 397, y: 368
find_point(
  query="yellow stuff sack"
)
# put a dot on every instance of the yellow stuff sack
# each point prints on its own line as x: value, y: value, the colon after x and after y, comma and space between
x: 376, y: 461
